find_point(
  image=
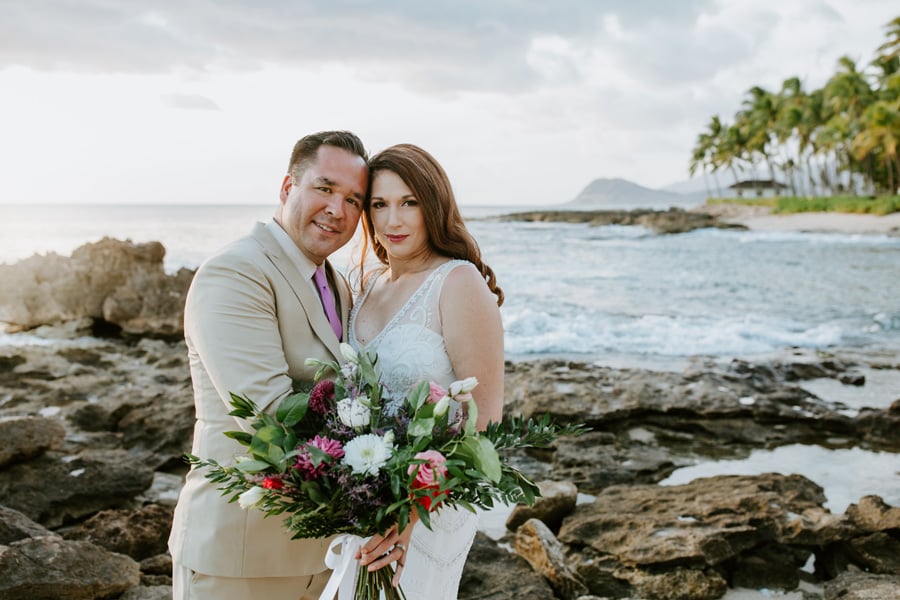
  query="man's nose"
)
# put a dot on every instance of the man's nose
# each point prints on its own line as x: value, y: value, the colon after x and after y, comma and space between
x: 335, y: 206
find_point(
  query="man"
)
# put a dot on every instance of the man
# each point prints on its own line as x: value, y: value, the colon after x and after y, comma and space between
x: 253, y: 316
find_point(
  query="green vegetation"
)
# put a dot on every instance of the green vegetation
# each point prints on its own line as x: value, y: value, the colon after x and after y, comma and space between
x: 872, y: 205
x: 839, y: 141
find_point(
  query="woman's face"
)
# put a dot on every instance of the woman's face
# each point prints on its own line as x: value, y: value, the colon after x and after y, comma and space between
x: 397, y: 218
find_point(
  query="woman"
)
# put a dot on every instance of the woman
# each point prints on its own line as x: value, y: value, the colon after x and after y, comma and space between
x: 430, y: 312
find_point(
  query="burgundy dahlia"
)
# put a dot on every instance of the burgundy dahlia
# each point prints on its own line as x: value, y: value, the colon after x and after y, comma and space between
x: 321, y: 398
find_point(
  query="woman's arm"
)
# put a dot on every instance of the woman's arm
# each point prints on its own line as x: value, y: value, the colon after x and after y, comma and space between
x: 473, y: 335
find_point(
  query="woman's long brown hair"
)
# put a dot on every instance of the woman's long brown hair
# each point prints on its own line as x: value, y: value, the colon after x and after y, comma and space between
x: 447, y: 233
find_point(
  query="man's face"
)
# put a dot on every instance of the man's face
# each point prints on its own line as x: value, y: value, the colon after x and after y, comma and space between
x: 320, y: 211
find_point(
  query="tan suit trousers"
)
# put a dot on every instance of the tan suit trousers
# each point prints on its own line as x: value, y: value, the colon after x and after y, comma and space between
x: 190, y: 585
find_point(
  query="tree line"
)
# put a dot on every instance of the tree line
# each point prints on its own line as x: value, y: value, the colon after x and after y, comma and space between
x: 841, y: 138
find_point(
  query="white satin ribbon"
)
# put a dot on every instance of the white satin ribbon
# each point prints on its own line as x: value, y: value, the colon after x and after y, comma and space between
x: 343, y: 565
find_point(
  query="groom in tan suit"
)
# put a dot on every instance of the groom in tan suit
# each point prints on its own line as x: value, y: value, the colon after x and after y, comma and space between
x: 253, y: 316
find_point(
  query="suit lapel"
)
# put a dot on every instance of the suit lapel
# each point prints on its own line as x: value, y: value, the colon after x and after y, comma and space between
x: 309, y: 300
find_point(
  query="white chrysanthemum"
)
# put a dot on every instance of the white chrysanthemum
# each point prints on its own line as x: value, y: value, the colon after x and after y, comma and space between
x: 353, y: 413
x: 367, y: 453
x: 251, y: 497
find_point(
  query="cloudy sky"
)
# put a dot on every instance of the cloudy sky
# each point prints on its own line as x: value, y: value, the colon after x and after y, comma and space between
x: 523, y: 101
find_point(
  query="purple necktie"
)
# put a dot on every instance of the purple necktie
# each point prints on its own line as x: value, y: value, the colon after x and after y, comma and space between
x: 328, y: 301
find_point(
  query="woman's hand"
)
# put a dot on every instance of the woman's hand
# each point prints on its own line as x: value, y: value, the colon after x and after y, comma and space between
x: 380, y: 551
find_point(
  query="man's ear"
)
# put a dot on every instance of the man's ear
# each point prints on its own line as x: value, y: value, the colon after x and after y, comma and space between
x: 286, y: 186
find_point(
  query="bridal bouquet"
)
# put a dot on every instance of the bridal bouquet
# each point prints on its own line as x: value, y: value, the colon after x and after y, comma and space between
x: 345, y: 458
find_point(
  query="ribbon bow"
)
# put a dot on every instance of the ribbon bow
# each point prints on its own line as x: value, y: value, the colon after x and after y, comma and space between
x: 341, y: 559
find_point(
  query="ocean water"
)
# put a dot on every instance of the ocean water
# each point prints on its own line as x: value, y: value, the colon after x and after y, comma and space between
x: 600, y: 293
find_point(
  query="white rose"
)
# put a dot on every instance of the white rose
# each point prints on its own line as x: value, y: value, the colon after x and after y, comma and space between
x: 353, y: 413
x: 251, y: 497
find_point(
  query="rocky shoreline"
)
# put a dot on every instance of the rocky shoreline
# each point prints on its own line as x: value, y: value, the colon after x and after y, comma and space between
x: 719, y: 216
x: 673, y: 220
x: 95, y: 422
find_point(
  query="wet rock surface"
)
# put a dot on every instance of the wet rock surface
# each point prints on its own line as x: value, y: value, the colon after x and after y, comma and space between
x: 95, y: 428
x: 673, y: 220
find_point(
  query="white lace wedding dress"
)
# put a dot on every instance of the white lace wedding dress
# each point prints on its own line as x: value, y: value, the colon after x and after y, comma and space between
x: 411, y: 348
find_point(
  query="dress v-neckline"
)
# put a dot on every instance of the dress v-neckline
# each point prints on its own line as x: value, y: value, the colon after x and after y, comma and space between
x: 397, y: 315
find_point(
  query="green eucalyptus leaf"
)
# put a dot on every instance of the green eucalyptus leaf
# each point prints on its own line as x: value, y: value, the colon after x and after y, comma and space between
x: 292, y: 409
x: 314, y: 491
x: 419, y: 395
x: 244, y: 407
x: 471, y: 417
x: 276, y: 455
x: 241, y: 437
x: 290, y: 441
x: 252, y: 466
x: 272, y: 434
x: 424, y: 517
x: 489, y: 460
x: 421, y: 427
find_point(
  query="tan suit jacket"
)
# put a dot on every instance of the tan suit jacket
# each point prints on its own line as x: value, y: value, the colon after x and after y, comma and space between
x: 251, y: 321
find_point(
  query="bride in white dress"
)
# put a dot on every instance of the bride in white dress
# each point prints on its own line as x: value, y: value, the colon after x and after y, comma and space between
x: 431, y: 312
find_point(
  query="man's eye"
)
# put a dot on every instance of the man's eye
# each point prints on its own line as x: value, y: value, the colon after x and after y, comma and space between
x: 324, y: 189
x: 353, y: 201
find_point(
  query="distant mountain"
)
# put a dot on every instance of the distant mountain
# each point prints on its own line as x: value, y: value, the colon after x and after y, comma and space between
x: 624, y: 194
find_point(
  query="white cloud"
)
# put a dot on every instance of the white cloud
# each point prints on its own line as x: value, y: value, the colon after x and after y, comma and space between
x: 523, y: 104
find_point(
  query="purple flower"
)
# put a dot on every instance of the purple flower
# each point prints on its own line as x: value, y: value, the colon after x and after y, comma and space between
x: 321, y: 397
x: 312, y: 467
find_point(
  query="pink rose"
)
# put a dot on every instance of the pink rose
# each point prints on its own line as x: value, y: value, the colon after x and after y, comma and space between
x: 427, y: 477
x: 437, y: 392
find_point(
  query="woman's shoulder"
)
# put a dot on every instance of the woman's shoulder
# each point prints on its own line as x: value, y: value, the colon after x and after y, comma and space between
x: 462, y: 279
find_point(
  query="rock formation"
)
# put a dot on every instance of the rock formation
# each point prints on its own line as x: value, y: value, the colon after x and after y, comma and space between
x: 110, y: 281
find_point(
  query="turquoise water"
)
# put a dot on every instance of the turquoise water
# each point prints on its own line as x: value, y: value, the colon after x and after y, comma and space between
x: 584, y: 291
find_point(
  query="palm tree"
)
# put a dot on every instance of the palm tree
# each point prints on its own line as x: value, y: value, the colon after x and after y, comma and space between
x: 891, y: 48
x: 847, y: 94
x: 731, y: 149
x: 811, y: 122
x: 789, y: 104
x: 881, y: 137
x: 703, y: 155
x: 758, y: 123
